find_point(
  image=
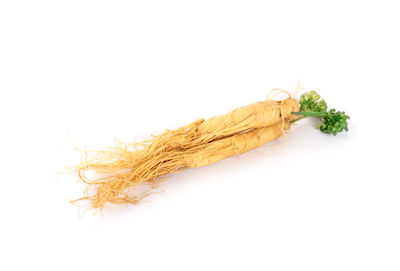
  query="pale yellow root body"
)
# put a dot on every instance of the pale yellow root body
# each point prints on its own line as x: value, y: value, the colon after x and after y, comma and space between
x: 257, y: 115
x: 236, y: 144
x: 200, y: 143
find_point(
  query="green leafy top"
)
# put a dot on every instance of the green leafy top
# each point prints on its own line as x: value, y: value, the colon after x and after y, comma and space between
x: 334, y: 122
x: 312, y: 105
x: 312, y: 102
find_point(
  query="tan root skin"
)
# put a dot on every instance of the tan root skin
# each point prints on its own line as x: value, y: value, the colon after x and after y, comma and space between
x: 236, y: 144
x: 125, y: 168
x: 257, y: 115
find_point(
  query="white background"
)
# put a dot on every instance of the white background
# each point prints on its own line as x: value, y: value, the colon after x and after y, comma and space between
x: 87, y: 72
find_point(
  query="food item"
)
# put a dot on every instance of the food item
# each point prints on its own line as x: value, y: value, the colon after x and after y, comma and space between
x: 123, y: 169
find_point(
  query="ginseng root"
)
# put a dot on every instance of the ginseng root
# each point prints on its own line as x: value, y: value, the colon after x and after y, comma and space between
x: 122, y: 171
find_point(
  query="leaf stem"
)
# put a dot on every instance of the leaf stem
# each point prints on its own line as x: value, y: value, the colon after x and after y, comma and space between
x: 312, y: 114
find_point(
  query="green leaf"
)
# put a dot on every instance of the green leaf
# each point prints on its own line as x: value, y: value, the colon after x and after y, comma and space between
x: 311, y: 105
x: 334, y: 122
x: 312, y: 102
